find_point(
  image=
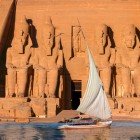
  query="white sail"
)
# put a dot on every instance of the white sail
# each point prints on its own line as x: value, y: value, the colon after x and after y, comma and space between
x: 94, y: 102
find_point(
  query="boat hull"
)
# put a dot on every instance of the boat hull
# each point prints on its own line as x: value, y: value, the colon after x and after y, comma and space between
x: 99, y: 125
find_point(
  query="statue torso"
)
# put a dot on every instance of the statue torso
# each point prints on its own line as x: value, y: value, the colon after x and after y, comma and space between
x: 20, y: 60
x: 45, y: 61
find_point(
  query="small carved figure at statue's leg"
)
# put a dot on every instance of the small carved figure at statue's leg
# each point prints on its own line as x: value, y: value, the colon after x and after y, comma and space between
x: 52, y: 82
x: 22, y: 82
x: 119, y: 92
x: 11, y: 82
x: 46, y: 90
x: 126, y: 81
x: 137, y: 81
x: 41, y: 82
x: 106, y: 72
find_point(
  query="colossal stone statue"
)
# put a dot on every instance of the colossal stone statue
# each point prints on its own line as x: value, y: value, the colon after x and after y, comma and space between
x: 104, y: 55
x: 128, y: 63
x: 78, y: 44
x: 48, y: 36
x: 46, y: 67
x: 18, y: 61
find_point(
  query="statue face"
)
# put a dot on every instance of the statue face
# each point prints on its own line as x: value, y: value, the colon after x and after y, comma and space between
x: 129, y: 36
x: 23, y: 37
x: 130, y: 40
x: 21, y: 40
x: 101, y: 38
x: 48, y: 41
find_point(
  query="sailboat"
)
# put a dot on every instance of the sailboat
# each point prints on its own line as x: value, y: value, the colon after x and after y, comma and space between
x: 94, y: 102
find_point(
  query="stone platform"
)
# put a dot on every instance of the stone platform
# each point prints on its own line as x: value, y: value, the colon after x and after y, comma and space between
x: 45, y: 107
x: 29, y: 107
x: 14, y: 107
x: 125, y: 107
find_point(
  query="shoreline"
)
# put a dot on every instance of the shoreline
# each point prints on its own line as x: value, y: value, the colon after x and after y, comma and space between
x: 64, y: 115
x: 56, y: 120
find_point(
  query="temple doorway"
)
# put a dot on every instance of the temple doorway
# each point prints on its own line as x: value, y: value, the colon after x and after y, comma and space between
x: 76, y: 93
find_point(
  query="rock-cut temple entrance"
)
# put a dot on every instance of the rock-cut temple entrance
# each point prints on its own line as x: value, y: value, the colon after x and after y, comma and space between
x: 76, y: 93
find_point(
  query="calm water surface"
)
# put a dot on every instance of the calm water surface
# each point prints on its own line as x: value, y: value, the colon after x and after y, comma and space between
x: 48, y: 131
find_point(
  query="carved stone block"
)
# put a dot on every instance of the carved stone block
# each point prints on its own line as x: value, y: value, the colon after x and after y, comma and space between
x: 23, y: 111
x: 52, y: 106
x: 39, y: 107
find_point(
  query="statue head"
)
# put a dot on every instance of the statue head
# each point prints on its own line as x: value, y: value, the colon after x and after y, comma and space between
x: 21, y: 34
x: 129, y: 34
x: 101, y: 37
x: 48, y: 26
x: 48, y: 35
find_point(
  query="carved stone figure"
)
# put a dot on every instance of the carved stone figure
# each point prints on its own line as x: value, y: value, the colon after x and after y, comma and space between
x: 48, y: 36
x: 46, y: 67
x: 18, y: 61
x: 128, y: 64
x: 104, y: 55
x: 78, y: 42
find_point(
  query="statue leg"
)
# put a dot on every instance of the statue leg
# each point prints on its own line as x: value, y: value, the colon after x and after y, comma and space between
x: 52, y: 79
x: 21, y: 82
x: 126, y: 82
x: 136, y: 79
x: 11, y: 82
x: 41, y: 82
x: 118, y: 83
x: 105, y: 75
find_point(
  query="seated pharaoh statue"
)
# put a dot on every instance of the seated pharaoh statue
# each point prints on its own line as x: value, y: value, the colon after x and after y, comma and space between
x: 18, y: 61
x: 47, y: 61
x: 128, y: 63
x: 104, y: 56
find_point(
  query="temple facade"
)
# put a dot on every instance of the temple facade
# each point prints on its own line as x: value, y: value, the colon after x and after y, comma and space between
x: 43, y: 60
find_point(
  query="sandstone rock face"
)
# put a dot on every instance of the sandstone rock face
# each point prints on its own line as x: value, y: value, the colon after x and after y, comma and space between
x: 16, y: 108
x: 6, y: 7
x: 45, y: 56
x: 23, y: 111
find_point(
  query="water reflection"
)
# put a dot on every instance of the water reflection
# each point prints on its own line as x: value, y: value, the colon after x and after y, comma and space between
x: 91, y: 134
x: 29, y: 132
x: 118, y: 131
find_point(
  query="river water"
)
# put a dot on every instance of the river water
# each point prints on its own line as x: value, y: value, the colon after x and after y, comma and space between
x: 47, y: 131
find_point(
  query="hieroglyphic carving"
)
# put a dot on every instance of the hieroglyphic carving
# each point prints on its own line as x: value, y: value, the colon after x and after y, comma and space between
x: 78, y: 45
x: 18, y: 61
x: 104, y: 55
x: 127, y: 63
